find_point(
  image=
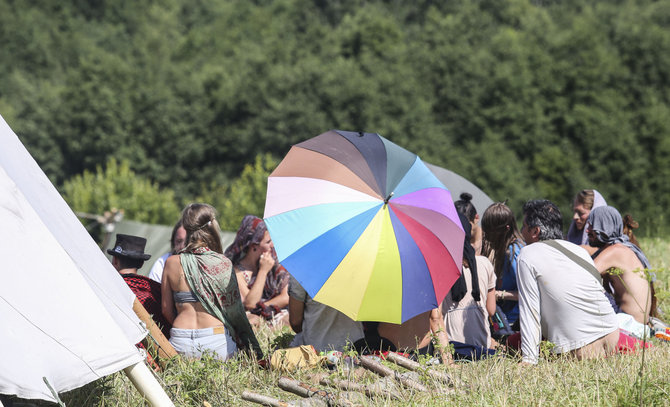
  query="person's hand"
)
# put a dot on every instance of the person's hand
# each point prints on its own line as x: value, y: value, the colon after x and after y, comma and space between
x: 266, y: 262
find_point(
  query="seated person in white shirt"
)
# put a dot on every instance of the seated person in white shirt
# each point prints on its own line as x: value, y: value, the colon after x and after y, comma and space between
x: 558, y: 297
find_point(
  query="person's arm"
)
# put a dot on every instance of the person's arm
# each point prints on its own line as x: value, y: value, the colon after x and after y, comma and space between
x: 439, y: 331
x: 476, y: 239
x: 511, y: 295
x: 491, y: 302
x: 296, y: 308
x: 485, y: 268
x: 529, y: 313
x: 251, y: 296
x: 281, y: 300
x: 167, y: 302
x: 506, y: 295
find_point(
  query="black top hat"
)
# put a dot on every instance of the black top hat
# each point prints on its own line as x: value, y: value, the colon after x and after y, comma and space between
x: 129, y: 246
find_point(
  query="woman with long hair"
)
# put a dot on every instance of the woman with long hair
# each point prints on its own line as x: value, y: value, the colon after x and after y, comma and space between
x: 263, y: 282
x: 471, y: 300
x: 502, y: 237
x: 200, y: 295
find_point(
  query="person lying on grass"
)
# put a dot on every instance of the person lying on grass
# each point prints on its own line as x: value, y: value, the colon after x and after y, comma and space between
x: 558, y: 297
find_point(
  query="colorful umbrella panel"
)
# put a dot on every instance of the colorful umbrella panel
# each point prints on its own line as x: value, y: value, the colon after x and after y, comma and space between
x: 364, y: 226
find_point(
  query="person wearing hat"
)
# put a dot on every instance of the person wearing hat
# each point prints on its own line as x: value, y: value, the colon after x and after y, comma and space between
x: 127, y: 257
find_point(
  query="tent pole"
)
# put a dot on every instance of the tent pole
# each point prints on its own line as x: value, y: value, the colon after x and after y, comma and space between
x: 145, y: 382
x: 165, y: 348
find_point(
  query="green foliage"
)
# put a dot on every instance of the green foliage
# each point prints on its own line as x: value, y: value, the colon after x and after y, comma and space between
x: 243, y: 196
x: 117, y: 187
x: 525, y: 99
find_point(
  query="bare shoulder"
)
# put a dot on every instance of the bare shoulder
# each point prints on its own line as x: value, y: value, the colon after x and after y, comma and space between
x: 173, y: 265
x: 618, y: 256
x: 173, y: 260
x: 590, y: 249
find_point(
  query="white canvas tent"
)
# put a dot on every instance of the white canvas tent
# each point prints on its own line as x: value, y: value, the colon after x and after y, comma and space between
x: 66, y: 314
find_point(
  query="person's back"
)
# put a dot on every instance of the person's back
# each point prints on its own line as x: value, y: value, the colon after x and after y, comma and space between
x: 200, y: 295
x: 620, y: 262
x: 574, y: 308
x: 630, y: 287
x: 559, y: 298
x: 467, y: 320
x: 321, y: 326
x: 148, y: 292
x: 190, y: 315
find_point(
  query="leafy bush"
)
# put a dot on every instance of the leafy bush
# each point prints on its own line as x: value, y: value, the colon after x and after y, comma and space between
x: 117, y: 187
x: 245, y: 195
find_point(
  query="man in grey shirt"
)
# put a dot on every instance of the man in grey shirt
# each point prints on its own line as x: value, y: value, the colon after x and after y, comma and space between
x: 317, y: 324
x: 560, y: 296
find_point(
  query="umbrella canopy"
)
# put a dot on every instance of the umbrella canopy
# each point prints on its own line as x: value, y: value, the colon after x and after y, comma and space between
x: 364, y: 226
x: 458, y: 184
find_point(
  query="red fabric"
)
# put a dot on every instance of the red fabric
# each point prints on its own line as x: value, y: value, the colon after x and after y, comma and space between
x: 629, y: 344
x: 148, y: 292
x: 514, y: 341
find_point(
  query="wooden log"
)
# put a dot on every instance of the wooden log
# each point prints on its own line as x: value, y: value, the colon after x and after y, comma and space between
x: 264, y: 400
x: 306, y: 390
x: 384, y: 371
x: 348, y: 385
x: 416, y: 367
x: 165, y: 348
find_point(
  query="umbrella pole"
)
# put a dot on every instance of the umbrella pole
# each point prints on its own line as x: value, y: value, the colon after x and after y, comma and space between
x: 145, y: 382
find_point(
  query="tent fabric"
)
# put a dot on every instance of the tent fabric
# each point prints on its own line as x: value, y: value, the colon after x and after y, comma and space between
x: 457, y: 185
x: 66, y: 314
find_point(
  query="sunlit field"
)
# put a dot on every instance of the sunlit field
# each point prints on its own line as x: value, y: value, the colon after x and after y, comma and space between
x: 620, y: 380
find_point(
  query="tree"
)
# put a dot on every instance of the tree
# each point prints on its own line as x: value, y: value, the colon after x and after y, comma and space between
x: 117, y: 187
x: 244, y: 196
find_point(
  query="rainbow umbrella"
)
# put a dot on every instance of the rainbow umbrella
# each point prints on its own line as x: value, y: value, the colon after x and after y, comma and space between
x: 364, y: 226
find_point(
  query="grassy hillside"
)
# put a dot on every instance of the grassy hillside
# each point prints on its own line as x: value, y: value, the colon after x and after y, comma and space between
x: 499, y: 381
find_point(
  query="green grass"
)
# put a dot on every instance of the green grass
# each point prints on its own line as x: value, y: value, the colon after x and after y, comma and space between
x: 500, y: 381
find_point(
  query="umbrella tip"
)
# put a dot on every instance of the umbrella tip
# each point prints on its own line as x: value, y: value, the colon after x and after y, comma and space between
x: 388, y: 198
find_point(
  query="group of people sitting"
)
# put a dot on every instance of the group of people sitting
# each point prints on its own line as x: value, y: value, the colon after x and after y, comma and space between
x: 203, y: 299
x: 540, y: 284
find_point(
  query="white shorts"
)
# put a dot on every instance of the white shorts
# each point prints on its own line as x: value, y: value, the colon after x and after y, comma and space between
x: 193, y: 343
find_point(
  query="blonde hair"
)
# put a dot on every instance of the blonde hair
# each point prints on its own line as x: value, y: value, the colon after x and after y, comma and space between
x: 202, y: 229
x: 585, y: 197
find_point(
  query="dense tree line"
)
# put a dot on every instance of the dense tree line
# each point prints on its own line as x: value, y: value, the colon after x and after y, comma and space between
x: 525, y: 98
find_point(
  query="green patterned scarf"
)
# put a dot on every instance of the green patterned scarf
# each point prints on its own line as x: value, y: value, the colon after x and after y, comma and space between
x: 212, y: 279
